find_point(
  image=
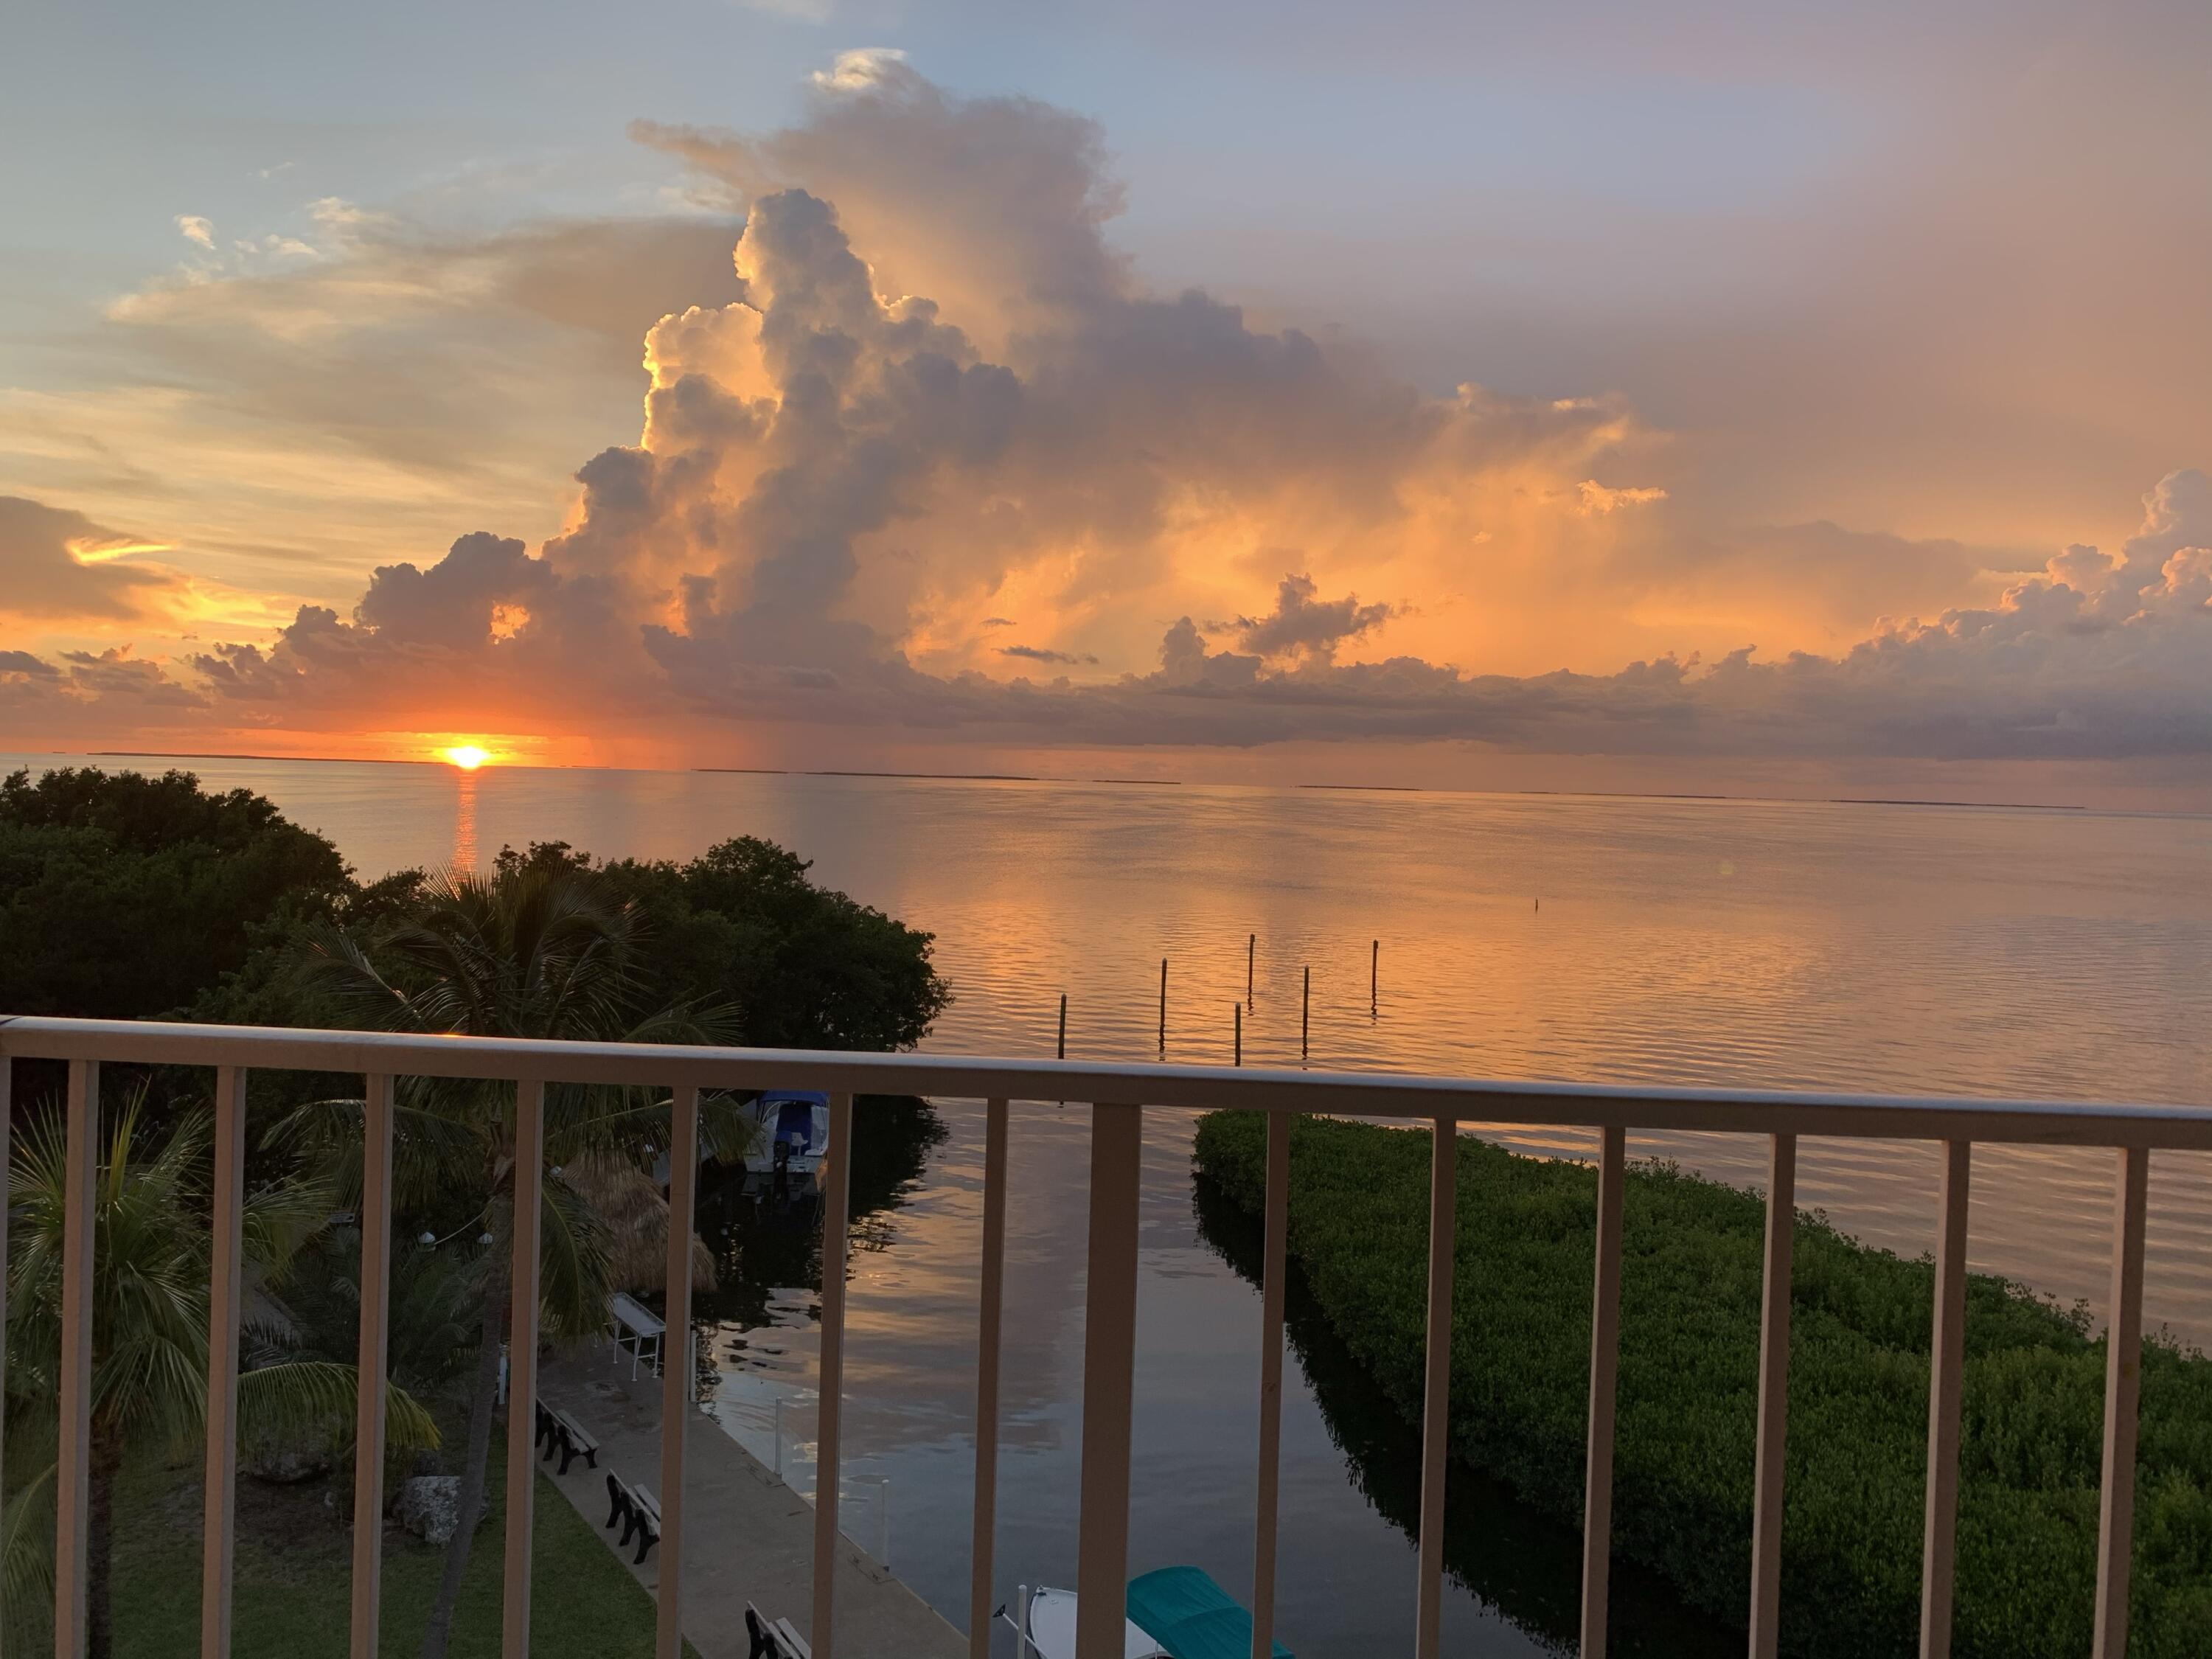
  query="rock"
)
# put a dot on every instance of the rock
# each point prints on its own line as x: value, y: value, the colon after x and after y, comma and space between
x: 287, y: 1466
x: 430, y: 1507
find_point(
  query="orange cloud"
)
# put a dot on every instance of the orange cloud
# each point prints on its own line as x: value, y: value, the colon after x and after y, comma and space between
x: 929, y: 398
x: 60, y: 566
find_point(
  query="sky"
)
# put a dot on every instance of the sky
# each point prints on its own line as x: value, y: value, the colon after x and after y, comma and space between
x: 1798, y: 399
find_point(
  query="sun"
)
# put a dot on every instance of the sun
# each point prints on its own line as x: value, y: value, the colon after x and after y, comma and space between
x: 466, y: 756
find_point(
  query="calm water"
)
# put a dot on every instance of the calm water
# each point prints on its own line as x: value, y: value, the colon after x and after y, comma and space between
x: 1920, y: 950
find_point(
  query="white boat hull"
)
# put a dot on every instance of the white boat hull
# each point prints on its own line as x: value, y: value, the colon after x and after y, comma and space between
x: 1050, y: 1631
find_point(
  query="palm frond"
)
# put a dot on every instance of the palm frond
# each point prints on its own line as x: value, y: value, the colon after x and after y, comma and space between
x: 301, y: 1399
x: 27, y: 1560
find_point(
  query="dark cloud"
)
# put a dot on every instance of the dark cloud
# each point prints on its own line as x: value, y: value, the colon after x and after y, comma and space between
x: 23, y: 663
x: 86, y: 690
x: 57, y: 565
x: 1038, y: 653
x: 1301, y: 625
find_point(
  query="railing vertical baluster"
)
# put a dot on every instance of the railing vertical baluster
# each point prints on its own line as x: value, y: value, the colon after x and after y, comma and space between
x: 522, y: 1364
x: 226, y: 1283
x: 1773, y: 1399
x: 676, y: 1359
x: 1109, y: 1349
x: 1277, y: 1257
x: 1436, y: 1398
x: 1947, y: 1357
x: 1605, y: 1362
x: 369, y: 1374
x: 2123, y: 1384
x: 6, y: 1165
x: 829, y: 1461
x: 73, y: 1476
x: 991, y: 1305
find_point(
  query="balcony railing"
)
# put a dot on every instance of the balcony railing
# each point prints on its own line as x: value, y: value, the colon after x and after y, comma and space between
x: 1119, y: 1094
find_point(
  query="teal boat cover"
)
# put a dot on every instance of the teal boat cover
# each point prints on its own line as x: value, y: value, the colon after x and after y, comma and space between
x: 1191, y: 1616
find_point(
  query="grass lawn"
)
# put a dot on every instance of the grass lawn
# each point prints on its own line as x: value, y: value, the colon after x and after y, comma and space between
x: 294, y: 1577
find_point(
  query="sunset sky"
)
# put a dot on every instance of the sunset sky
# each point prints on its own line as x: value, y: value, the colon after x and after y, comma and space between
x: 1713, y: 397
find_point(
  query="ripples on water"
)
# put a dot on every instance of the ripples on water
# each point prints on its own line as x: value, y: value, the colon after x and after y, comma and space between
x: 1992, y: 953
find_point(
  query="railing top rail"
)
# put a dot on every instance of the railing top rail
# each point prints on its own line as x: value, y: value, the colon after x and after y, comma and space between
x: 1203, y: 1088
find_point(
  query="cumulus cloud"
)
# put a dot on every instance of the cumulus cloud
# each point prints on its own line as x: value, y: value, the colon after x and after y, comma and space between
x: 927, y: 396
x: 57, y: 565
x: 1302, y: 625
x: 23, y: 666
x: 101, y: 691
x: 193, y: 229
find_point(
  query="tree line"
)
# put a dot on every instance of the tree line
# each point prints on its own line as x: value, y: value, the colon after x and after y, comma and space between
x: 124, y: 896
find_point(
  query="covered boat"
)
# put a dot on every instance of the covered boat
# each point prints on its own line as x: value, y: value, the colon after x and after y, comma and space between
x: 793, y: 1134
x: 1176, y: 1613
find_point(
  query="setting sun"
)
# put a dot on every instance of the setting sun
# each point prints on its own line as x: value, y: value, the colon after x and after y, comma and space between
x: 466, y: 756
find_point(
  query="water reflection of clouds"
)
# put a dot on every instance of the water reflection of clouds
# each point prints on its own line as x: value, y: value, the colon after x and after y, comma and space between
x: 1915, y: 951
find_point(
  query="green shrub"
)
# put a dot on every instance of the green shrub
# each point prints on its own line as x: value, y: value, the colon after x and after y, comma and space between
x: 2033, y: 1392
x: 124, y: 896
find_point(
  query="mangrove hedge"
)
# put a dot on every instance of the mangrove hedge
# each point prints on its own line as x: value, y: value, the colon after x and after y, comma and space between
x: 2033, y: 1394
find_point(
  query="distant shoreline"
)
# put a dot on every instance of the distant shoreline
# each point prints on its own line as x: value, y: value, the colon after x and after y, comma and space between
x: 318, y: 760
x: 1144, y: 783
x: 940, y: 777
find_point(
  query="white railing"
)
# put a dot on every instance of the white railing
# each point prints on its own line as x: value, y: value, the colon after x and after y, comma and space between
x: 1119, y: 1094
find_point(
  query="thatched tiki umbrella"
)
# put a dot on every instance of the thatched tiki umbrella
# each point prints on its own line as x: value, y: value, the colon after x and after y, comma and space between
x: 636, y: 1210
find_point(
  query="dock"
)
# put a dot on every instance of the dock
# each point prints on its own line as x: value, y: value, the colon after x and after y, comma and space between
x: 747, y: 1536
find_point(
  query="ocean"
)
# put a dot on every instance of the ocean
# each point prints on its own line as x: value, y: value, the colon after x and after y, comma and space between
x: 1913, y: 949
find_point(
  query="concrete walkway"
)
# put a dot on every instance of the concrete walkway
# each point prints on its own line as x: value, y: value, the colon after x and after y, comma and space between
x: 747, y: 1536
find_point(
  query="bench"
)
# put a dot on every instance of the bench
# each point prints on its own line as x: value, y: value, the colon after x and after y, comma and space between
x: 631, y: 1324
x: 773, y: 1641
x: 638, y: 1510
x: 557, y: 1431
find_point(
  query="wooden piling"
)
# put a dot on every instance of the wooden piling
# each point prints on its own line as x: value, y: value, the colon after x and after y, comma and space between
x: 1374, y: 973
x: 1238, y: 1008
x: 1305, y: 1014
x: 1251, y: 948
x: 1164, y: 1004
x: 1060, y: 1053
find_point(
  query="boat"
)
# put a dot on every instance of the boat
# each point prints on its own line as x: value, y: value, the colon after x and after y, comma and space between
x: 794, y: 1134
x: 1174, y: 1612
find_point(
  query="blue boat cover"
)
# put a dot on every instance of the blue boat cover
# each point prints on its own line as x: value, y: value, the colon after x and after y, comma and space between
x: 1191, y: 1616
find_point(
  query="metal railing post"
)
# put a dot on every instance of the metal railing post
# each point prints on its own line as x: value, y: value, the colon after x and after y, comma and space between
x: 1435, y: 1393
x: 1110, y: 1346
x: 528, y: 1221
x: 828, y: 1466
x: 1773, y: 1399
x: 369, y: 1374
x: 1947, y: 1356
x: 676, y: 1361
x: 1783, y: 1116
x: 2122, y: 1387
x: 991, y: 1300
x: 7, y: 1168
x: 1605, y: 1362
x: 226, y: 1279
x: 73, y: 1472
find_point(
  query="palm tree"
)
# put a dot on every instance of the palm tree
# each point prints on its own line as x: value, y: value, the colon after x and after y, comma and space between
x: 530, y: 951
x: 430, y: 1311
x: 149, y: 1287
